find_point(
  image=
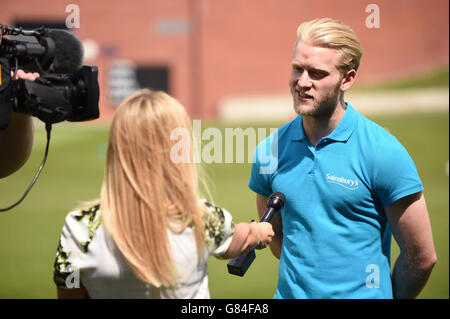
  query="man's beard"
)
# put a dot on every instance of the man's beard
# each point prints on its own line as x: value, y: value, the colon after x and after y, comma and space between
x: 323, y: 107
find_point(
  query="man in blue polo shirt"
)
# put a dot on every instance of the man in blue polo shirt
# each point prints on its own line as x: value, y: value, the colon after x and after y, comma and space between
x: 349, y: 185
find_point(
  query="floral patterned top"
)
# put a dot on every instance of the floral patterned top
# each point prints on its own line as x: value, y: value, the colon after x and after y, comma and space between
x: 87, y: 254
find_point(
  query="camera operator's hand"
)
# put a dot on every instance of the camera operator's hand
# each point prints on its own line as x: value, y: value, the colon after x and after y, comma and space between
x: 21, y: 74
x: 16, y: 141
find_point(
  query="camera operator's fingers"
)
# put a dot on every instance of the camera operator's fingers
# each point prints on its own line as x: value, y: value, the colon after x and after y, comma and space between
x: 21, y: 74
x: 34, y: 76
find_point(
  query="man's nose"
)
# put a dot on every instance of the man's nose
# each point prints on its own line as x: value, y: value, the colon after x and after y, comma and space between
x: 304, y: 80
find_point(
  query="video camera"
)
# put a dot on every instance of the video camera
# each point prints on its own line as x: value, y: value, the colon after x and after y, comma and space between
x: 66, y: 89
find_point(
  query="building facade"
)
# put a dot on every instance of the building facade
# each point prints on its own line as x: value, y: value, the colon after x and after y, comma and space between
x: 206, y: 51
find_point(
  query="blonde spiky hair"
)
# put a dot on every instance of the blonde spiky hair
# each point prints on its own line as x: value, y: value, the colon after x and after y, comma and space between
x: 330, y: 33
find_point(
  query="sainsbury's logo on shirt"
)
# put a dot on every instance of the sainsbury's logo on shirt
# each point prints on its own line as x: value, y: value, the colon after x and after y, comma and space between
x: 342, y: 181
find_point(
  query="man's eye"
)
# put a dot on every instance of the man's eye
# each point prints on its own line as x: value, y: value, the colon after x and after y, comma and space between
x: 317, y: 75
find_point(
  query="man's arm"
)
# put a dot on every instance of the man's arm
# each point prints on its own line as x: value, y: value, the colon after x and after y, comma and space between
x: 16, y: 141
x: 410, y: 224
x: 277, y: 240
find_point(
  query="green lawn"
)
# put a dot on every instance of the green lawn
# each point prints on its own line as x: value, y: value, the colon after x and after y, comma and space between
x: 29, y: 234
x: 432, y: 79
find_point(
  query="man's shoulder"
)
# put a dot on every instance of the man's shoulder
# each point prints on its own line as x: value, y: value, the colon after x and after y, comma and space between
x: 378, y: 144
x: 282, y: 133
x: 375, y: 133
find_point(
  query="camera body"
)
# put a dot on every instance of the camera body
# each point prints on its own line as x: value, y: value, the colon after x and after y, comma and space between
x: 53, y: 97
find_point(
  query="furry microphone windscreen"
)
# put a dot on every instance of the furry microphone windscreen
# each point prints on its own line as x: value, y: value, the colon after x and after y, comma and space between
x: 68, y: 52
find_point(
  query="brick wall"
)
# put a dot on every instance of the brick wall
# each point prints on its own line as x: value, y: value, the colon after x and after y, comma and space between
x: 216, y: 48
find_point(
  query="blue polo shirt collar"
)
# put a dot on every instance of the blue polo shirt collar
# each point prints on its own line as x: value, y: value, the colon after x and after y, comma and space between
x: 340, y: 134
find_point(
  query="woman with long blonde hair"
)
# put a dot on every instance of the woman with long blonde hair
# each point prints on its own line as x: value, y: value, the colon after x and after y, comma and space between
x: 150, y: 233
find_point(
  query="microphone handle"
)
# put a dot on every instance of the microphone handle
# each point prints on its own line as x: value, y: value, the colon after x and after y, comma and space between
x: 239, y: 264
x: 268, y: 215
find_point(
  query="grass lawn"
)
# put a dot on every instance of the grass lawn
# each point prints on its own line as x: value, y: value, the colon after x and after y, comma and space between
x: 29, y: 234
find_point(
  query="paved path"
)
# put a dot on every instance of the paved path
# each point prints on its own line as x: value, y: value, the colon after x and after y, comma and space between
x: 380, y: 102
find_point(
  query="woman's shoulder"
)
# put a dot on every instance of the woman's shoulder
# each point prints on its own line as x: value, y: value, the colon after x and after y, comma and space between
x: 83, y: 223
x: 87, y: 214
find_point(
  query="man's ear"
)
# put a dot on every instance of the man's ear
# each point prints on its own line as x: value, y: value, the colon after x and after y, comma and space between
x: 348, y: 80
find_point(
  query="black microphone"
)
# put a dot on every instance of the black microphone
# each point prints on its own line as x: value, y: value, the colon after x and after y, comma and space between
x: 69, y: 52
x: 239, y: 264
x: 274, y: 204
